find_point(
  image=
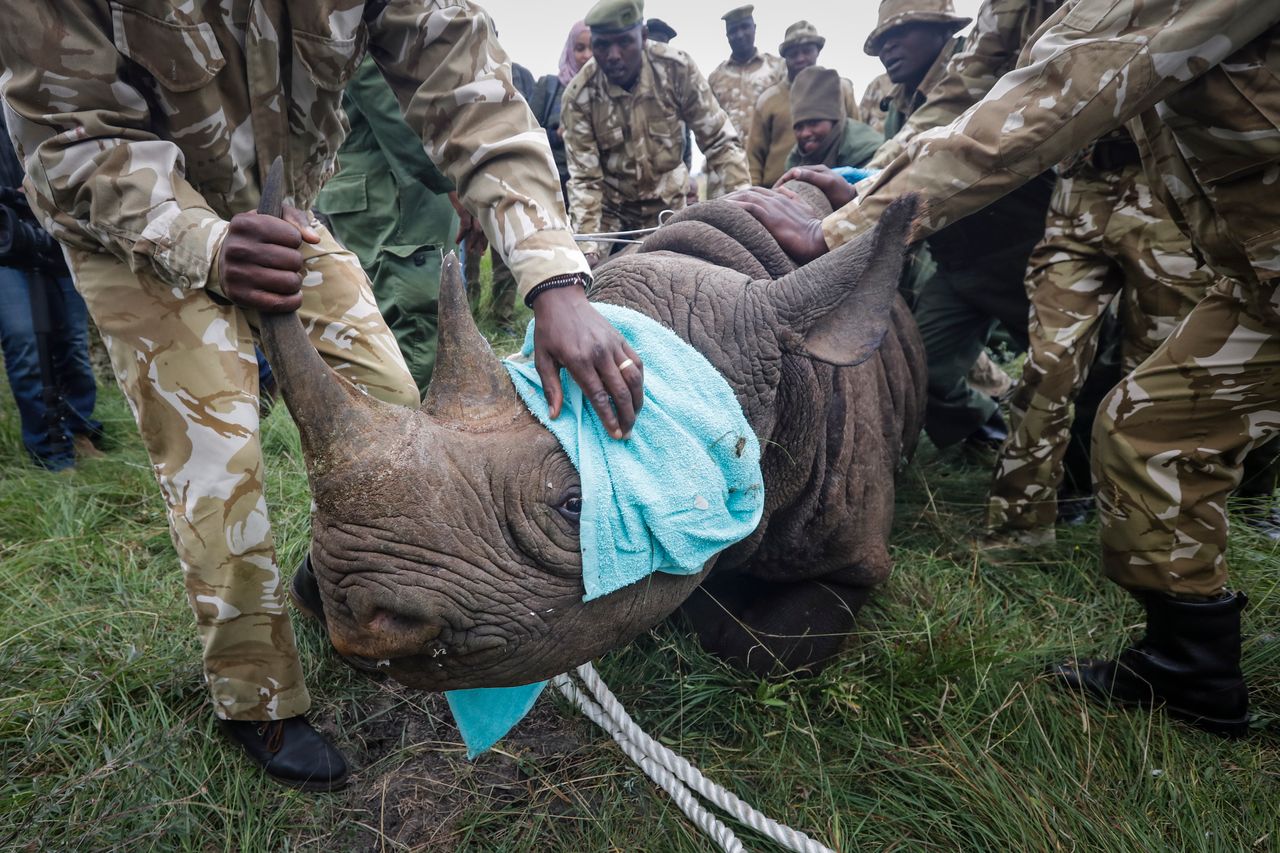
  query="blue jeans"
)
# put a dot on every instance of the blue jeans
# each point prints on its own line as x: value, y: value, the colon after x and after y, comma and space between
x: 47, y: 436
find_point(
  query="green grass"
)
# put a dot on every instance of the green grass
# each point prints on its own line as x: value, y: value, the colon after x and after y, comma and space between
x: 934, y: 731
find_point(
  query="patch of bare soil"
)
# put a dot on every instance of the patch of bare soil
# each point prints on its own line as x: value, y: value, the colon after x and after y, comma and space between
x: 414, y: 789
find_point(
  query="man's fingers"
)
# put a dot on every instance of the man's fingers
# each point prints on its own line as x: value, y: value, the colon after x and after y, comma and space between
x: 616, y: 386
x: 302, y: 221
x: 271, y: 281
x: 549, y: 373
x: 789, y: 193
x: 272, y: 303
x: 267, y: 229
x: 633, y: 375
x: 596, y: 392
x: 266, y: 255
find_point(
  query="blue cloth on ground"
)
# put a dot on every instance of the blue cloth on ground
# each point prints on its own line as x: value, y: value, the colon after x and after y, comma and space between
x: 686, y: 485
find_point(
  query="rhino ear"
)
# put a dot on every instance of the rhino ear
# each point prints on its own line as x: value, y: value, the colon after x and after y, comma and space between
x: 838, y: 307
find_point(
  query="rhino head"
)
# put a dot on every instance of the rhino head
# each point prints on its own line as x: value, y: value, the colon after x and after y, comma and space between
x: 445, y: 538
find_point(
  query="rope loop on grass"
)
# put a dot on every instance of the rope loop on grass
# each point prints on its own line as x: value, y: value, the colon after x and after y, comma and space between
x: 673, y: 773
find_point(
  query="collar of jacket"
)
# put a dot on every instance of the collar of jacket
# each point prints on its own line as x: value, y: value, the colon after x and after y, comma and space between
x: 755, y: 57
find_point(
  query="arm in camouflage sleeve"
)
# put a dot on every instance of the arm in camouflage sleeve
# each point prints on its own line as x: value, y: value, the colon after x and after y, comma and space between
x: 1096, y: 65
x: 369, y: 93
x: 717, y: 139
x: 586, y: 178
x: 990, y: 51
x: 757, y: 143
x: 101, y: 177
x: 455, y: 87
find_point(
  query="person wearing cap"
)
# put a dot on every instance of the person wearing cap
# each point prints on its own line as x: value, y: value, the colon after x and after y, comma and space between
x: 982, y: 260
x: 624, y: 117
x: 1194, y: 84
x: 914, y: 40
x: 660, y: 30
x: 825, y: 136
x: 770, y: 140
x: 740, y: 80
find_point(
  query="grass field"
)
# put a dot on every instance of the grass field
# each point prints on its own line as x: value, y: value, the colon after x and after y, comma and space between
x: 934, y: 731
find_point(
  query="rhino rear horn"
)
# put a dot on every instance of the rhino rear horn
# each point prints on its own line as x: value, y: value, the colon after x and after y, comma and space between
x: 469, y: 385
x: 839, y: 306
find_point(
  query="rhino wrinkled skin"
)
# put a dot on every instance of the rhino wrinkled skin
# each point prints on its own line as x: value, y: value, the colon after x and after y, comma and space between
x: 444, y: 541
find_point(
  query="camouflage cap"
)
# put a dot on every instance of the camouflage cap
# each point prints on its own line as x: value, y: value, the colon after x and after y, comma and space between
x: 741, y: 13
x: 660, y: 29
x: 801, y: 32
x: 615, y: 16
x: 895, y: 13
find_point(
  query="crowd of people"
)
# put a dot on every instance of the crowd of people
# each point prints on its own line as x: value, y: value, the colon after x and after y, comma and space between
x: 1088, y: 199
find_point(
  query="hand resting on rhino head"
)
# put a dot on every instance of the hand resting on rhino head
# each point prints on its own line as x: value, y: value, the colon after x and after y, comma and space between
x: 445, y: 539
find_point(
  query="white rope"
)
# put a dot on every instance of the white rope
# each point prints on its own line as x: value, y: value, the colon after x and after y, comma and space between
x: 673, y: 773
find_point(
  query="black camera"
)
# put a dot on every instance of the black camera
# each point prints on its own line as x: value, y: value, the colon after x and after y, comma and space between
x: 23, y: 243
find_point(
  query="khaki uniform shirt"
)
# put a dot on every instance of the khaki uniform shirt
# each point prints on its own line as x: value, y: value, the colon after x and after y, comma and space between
x: 626, y: 147
x: 145, y: 124
x: 738, y: 85
x: 1199, y: 78
x: 771, y: 139
x: 870, y: 108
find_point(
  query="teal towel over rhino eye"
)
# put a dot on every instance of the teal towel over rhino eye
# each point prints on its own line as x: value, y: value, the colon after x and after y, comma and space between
x: 684, y: 487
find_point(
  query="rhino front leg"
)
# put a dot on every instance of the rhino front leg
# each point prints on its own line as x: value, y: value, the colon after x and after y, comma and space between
x: 769, y: 628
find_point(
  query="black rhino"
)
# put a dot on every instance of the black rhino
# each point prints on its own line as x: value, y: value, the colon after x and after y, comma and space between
x: 444, y: 539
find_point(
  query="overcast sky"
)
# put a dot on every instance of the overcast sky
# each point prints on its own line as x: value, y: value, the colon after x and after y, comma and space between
x: 534, y: 32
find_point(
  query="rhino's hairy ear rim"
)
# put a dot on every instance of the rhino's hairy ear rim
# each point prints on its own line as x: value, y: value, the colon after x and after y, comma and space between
x: 852, y: 331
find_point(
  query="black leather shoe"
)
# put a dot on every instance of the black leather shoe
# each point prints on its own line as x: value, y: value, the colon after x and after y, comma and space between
x: 1188, y: 662
x: 304, y: 592
x: 290, y: 752
x: 1074, y: 510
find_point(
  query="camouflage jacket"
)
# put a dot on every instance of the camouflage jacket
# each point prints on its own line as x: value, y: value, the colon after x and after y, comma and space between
x: 1002, y: 29
x: 899, y: 105
x: 627, y: 146
x: 1199, y: 80
x: 771, y: 138
x: 738, y: 85
x: 874, y: 103
x: 145, y: 124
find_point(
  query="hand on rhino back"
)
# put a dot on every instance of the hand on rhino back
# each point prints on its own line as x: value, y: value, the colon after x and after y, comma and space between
x: 445, y: 540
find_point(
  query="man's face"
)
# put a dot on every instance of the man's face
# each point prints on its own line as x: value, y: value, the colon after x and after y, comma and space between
x: 909, y: 50
x: 742, y: 38
x: 811, y: 134
x: 619, y: 55
x: 801, y: 57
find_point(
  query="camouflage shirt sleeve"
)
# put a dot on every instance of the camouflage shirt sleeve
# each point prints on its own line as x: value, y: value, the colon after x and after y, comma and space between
x: 454, y: 83
x: 98, y: 176
x: 717, y: 138
x: 758, y: 141
x: 1097, y: 64
x: 368, y: 93
x: 582, y: 155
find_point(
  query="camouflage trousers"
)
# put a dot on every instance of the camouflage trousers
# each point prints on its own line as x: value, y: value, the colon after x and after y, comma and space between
x: 1171, y: 439
x: 186, y: 364
x: 1106, y: 239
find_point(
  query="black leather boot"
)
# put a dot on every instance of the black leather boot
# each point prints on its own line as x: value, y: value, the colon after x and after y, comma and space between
x: 290, y: 752
x: 1189, y: 662
x: 305, y: 592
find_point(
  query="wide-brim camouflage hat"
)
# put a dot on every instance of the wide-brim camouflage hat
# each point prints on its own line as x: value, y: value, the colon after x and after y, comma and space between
x: 801, y: 32
x: 895, y: 13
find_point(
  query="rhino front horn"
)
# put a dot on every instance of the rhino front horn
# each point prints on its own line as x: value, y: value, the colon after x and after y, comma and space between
x: 469, y: 385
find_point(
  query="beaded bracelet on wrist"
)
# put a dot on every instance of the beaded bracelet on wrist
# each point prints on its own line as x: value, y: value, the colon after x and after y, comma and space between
x: 553, y: 283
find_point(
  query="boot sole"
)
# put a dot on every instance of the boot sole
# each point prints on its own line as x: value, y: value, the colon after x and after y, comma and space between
x: 1235, y: 728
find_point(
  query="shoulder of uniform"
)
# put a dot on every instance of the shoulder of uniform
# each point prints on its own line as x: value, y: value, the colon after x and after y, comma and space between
x: 779, y: 88
x: 665, y: 54
x: 581, y: 80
